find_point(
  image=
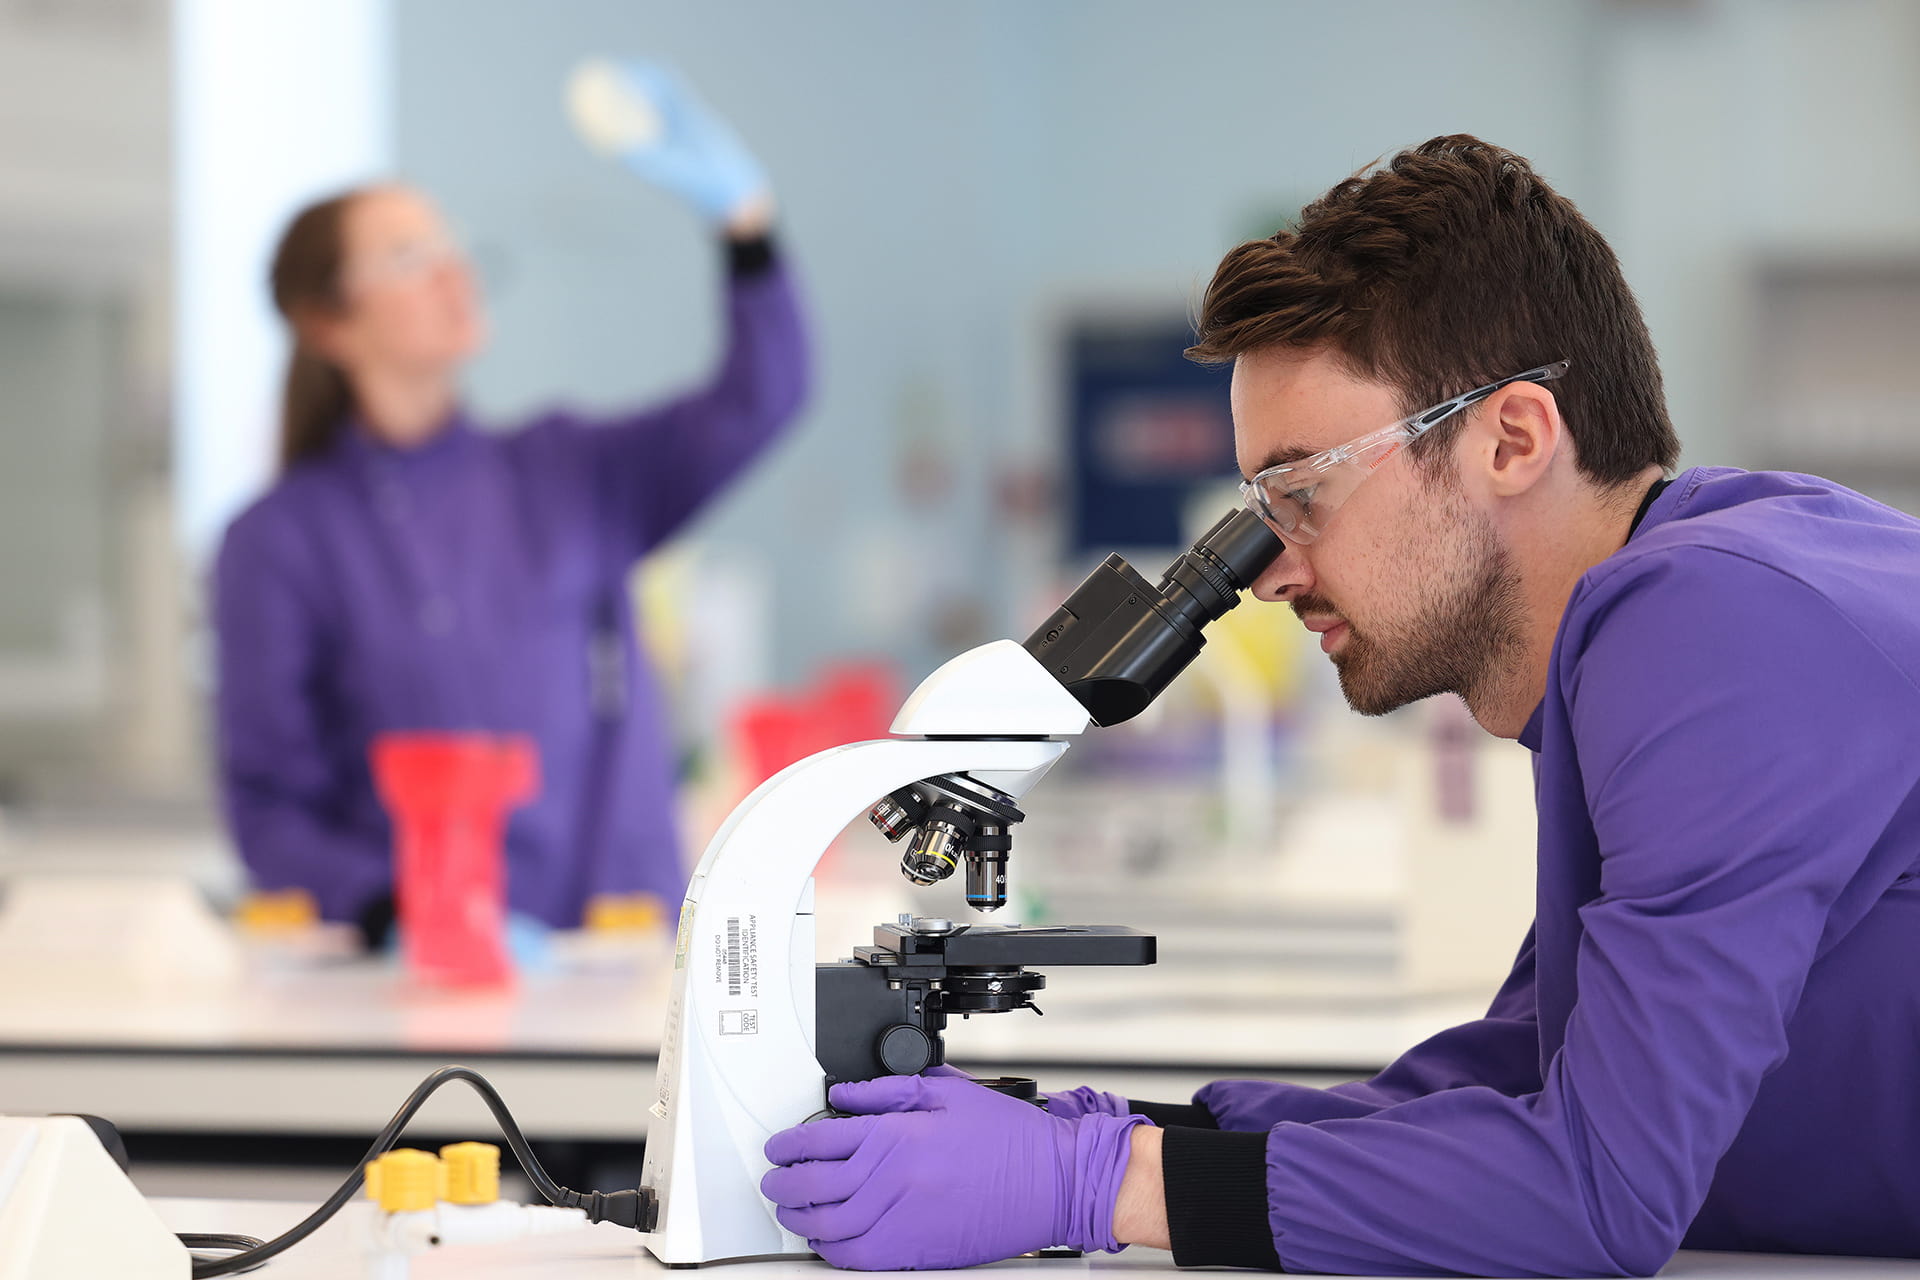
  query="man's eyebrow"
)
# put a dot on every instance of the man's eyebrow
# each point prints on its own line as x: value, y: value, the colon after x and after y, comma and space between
x: 1281, y: 457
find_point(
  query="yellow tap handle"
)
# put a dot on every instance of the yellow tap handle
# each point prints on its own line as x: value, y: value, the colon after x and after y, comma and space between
x: 404, y: 1181
x: 473, y: 1172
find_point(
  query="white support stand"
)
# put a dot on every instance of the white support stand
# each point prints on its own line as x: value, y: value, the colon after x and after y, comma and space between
x: 67, y: 1211
x: 737, y: 1056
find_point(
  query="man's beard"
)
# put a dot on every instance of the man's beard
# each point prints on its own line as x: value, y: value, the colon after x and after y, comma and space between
x: 1468, y: 627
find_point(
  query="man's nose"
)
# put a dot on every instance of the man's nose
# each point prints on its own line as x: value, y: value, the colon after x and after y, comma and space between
x: 1288, y: 577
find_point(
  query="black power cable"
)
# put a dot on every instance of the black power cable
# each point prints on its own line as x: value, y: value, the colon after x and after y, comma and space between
x: 221, y: 1242
x: 633, y: 1208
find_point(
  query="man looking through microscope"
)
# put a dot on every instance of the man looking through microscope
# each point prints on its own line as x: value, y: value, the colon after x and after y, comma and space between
x: 1446, y: 403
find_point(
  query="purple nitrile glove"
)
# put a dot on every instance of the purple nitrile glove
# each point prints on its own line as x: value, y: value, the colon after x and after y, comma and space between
x: 1069, y: 1104
x: 933, y: 1173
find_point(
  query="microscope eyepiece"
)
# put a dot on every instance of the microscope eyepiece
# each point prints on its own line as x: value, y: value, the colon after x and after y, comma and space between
x: 1244, y: 544
x: 1118, y: 642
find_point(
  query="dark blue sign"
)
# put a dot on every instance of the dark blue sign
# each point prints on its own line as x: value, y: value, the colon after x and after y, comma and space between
x: 1147, y: 426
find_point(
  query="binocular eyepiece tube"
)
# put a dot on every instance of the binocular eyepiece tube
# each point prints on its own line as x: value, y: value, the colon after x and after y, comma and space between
x: 1118, y: 642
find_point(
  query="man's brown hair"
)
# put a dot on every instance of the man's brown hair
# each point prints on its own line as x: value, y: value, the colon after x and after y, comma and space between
x: 1454, y: 266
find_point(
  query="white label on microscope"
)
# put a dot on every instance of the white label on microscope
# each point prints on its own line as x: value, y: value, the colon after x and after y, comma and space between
x: 736, y: 958
x: 733, y: 955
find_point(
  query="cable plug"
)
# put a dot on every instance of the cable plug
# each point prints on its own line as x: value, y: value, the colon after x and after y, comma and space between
x: 638, y: 1209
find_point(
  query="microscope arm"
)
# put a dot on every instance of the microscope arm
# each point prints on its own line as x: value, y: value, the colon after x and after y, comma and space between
x: 737, y: 1059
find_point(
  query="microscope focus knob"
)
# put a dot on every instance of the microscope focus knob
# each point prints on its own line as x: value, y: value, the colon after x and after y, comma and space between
x: 904, y: 1049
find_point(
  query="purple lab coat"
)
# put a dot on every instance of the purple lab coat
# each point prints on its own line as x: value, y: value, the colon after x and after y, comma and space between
x: 476, y: 583
x: 1712, y: 1035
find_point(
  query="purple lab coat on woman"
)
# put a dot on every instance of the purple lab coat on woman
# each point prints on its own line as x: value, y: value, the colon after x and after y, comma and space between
x: 476, y: 583
x: 1712, y: 1035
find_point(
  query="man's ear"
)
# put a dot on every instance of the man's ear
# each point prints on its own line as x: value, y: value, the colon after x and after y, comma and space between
x: 1514, y: 438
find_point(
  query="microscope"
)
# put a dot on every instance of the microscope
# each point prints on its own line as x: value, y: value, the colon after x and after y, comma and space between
x: 756, y: 1031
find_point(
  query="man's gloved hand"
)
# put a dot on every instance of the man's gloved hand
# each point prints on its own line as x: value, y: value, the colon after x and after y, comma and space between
x: 939, y: 1172
x: 1085, y: 1101
x: 1070, y: 1104
x: 645, y: 114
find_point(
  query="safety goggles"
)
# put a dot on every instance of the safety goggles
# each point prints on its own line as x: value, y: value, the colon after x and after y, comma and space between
x: 403, y: 263
x: 1296, y: 499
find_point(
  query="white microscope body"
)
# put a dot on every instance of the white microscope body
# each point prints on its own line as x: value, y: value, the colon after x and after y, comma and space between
x: 741, y: 1055
x: 737, y: 1060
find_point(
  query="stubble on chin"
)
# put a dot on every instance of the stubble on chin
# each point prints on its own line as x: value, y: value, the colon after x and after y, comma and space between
x: 1367, y: 689
x: 1464, y: 634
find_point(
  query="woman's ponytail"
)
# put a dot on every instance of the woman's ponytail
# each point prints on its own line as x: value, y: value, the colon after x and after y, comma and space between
x: 306, y: 278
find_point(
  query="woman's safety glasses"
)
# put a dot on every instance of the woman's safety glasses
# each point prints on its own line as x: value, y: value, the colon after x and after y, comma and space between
x: 403, y: 263
x: 1296, y: 499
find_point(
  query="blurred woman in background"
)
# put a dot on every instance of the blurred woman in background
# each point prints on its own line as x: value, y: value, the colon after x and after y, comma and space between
x: 410, y: 572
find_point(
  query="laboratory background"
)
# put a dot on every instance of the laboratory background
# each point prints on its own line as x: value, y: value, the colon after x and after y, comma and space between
x: 997, y: 219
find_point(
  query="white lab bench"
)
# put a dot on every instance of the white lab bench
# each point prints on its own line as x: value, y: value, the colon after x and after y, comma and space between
x: 613, y: 1251
x: 306, y: 1044
x: 308, y: 1040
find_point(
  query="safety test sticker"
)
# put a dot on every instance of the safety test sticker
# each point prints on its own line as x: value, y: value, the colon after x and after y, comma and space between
x: 684, y: 937
x: 736, y: 958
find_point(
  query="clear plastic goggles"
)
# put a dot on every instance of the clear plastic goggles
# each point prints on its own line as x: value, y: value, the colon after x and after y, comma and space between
x: 1296, y: 499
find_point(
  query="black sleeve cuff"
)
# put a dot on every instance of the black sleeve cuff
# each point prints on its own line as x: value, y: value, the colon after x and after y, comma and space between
x: 751, y: 257
x: 1189, y: 1115
x: 1216, y: 1186
x: 375, y: 922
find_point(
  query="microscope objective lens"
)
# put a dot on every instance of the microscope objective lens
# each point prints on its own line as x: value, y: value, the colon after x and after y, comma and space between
x: 933, y: 856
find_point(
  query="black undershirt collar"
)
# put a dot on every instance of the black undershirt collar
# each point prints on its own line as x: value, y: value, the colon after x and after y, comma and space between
x: 1659, y: 487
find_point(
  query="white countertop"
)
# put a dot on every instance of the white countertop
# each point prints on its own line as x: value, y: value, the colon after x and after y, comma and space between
x: 613, y: 1251
x: 137, y: 1004
x: 303, y: 1041
x: 604, y: 998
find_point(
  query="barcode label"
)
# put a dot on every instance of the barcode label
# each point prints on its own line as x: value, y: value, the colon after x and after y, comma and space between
x: 733, y: 955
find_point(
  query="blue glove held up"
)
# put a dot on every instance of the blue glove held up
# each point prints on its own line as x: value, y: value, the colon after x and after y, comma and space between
x: 939, y: 1172
x: 644, y: 113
